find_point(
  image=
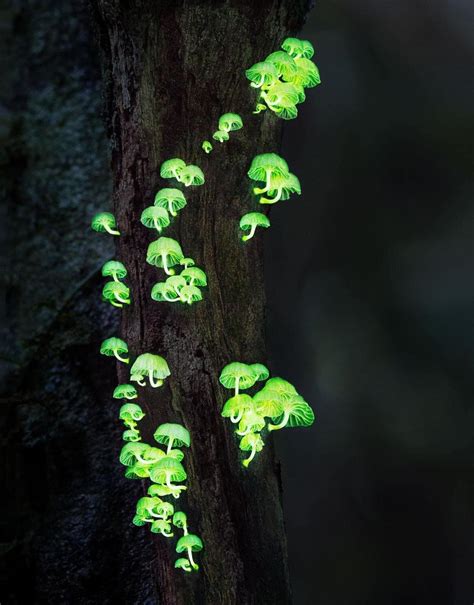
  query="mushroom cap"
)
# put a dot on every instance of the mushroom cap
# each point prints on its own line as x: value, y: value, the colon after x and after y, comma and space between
x: 265, y: 70
x: 137, y: 471
x: 170, y: 166
x: 301, y: 413
x: 289, y: 184
x: 133, y: 436
x: 125, y: 391
x: 187, y: 262
x: 153, y: 454
x: 166, y: 509
x: 283, y: 95
x: 237, y: 372
x: 207, y: 146
x: 113, y: 288
x: 221, y: 136
x: 130, y: 451
x: 261, y: 370
x: 176, y: 454
x: 250, y: 441
x: 254, y: 218
x: 114, y: 268
x: 230, y: 121
x: 159, y: 490
x: 284, y: 388
x: 163, y: 290
x: 236, y: 404
x: 268, y: 403
x: 113, y: 345
x: 164, y: 246
x: 267, y: 162
x: 160, y: 526
x: 190, y: 293
x: 190, y: 541
x: 285, y: 65
x: 148, y: 362
x: 176, y: 282
x: 196, y: 275
x: 154, y: 214
x: 101, y: 220
x: 180, y: 519
x: 167, y: 467
x: 167, y: 196
x: 180, y: 435
x: 192, y: 173
x: 252, y: 420
x: 138, y: 521
x: 307, y: 74
x: 296, y: 47
x: 285, y: 113
x: 131, y: 411
x: 146, y: 505
x: 182, y: 563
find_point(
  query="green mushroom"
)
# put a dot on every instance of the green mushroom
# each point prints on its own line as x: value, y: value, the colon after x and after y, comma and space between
x: 152, y: 366
x: 190, y: 544
x: 155, y: 217
x: 235, y: 407
x: 259, y: 108
x: 285, y: 65
x: 176, y: 283
x: 162, y: 527
x: 171, y: 434
x: 140, y: 453
x: 296, y: 412
x: 192, y: 175
x: 167, y: 470
x: 194, y: 276
x: 116, y: 293
x: 297, y: 48
x: 262, y: 74
x: 180, y: 520
x: 221, y: 136
x: 268, y: 403
x: 114, y: 269
x: 229, y: 122
x: 137, y: 471
x: 147, y: 508
x: 125, y: 391
x: 251, y: 221
x: 165, y: 252
x: 131, y: 413
x: 132, y: 435
x: 260, y: 370
x: 266, y: 166
x: 159, y: 490
x: 252, y: 443
x: 282, y: 98
x: 183, y: 564
x: 307, y: 73
x: 281, y: 188
x: 190, y: 294
x: 105, y: 222
x: 207, y: 146
x: 176, y: 454
x: 164, y: 292
x: 113, y: 347
x: 282, y: 387
x: 171, y: 169
x: 251, y: 422
x: 170, y: 200
x: 237, y: 376
x: 187, y: 262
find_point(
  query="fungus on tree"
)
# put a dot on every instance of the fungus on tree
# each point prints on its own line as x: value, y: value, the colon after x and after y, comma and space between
x: 166, y: 471
x: 183, y: 564
x: 105, y: 222
x: 133, y: 435
x: 237, y: 376
x: 163, y: 527
x: 171, y: 434
x: 281, y: 188
x: 114, y: 347
x: 268, y: 403
x: 171, y: 169
x: 190, y: 294
x: 190, y: 544
x: 251, y: 221
x: 153, y: 367
x: 130, y: 414
x: 284, y: 64
x: 187, y: 262
x: 251, y: 422
x: 192, y: 175
x: 307, y: 73
x: 296, y: 412
x: 262, y: 74
x: 221, y: 136
x: 155, y: 217
x: 116, y: 293
x: 207, y: 146
x: 170, y: 199
x: 252, y: 443
x: 297, y: 48
x: 229, y: 122
x: 125, y: 391
x: 235, y: 407
x: 260, y: 370
x: 114, y: 269
x: 194, y: 276
x: 164, y: 292
x: 165, y: 252
x: 180, y: 520
x: 266, y: 166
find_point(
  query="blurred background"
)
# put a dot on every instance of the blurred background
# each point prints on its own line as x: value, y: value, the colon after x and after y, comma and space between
x: 370, y: 310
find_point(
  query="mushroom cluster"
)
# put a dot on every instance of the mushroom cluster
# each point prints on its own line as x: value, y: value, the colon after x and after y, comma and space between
x: 188, y: 174
x: 228, y: 122
x: 282, y: 77
x: 278, y: 401
x: 115, y: 291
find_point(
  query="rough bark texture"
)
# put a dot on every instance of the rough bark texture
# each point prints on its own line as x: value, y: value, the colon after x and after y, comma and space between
x: 171, y: 68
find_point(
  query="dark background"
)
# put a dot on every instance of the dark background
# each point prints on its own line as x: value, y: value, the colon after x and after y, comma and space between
x: 370, y: 313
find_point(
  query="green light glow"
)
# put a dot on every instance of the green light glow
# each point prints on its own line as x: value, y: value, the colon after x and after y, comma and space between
x: 180, y: 520
x: 297, y: 48
x: 105, y: 222
x: 190, y: 294
x: 171, y: 200
x: 251, y: 422
x: 252, y: 443
x: 114, y: 269
x: 125, y: 391
x: 132, y: 435
x: 171, y: 169
x: 166, y: 471
x: 262, y: 74
x: 229, y: 122
x: 183, y: 564
x: 170, y: 434
x: 296, y: 412
x: 190, y: 544
x: 131, y: 413
x: 194, y: 276
x: 114, y: 347
x: 235, y: 407
x: 116, y: 293
x: 207, y: 146
x: 155, y: 217
x: 221, y: 136
x: 162, y: 527
x: 266, y: 166
x: 251, y: 221
x: 284, y: 64
x: 237, y: 376
x: 153, y: 367
x: 281, y: 188
x: 192, y: 175
x: 165, y: 253
x: 187, y: 262
x: 260, y: 370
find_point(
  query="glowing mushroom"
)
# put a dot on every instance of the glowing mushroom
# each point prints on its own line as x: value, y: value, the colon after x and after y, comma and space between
x: 207, y: 146
x: 262, y: 74
x: 153, y: 367
x: 190, y: 294
x: 296, y: 412
x: 281, y: 188
x: 166, y: 471
x: 155, y: 217
x: 164, y: 292
x: 171, y: 169
x: 192, y: 175
x: 114, y: 269
x: 284, y: 64
x: 251, y: 221
x: 170, y: 199
x: 230, y: 121
x: 183, y: 564
x: 266, y: 166
x: 180, y: 520
x: 235, y: 407
x: 194, y: 276
x: 268, y: 403
x: 307, y: 73
x: 165, y: 252
x: 105, y: 222
x: 252, y: 443
x: 260, y: 370
x: 113, y: 347
x: 237, y: 376
x: 116, y: 293
x: 131, y: 413
x: 190, y: 544
x: 162, y: 527
x: 125, y: 391
x: 187, y: 262
x: 171, y: 434
x: 251, y: 422
x: 297, y: 48
x: 221, y: 136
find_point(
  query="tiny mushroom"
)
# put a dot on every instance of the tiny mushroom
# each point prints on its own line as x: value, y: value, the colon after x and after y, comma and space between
x: 237, y: 376
x: 183, y: 564
x: 194, y: 276
x: 251, y: 422
x: 207, y: 146
x: 297, y: 48
x: 266, y: 166
x: 187, y: 262
x: 164, y: 292
x: 251, y: 221
x: 262, y: 74
x: 165, y: 252
x: 192, y: 175
x: 285, y: 65
x: 163, y: 527
x: 125, y: 391
x: 281, y: 188
x: 153, y: 367
x: 114, y: 269
x: 180, y: 520
x: 104, y: 221
x: 132, y: 435
x: 260, y: 370
x: 230, y: 121
x: 167, y: 470
x: 170, y: 199
x: 252, y: 443
x: 172, y: 169
x: 235, y: 407
x: 171, y: 434
x: 116, y: 293
x: 190, y: 544
x: 155, y: 217
x: 221, y: 136
x: 296, y: 412
x: 114, y: 347
x: 190, y: 294
x: 307, y: 74
x: 131, y: 413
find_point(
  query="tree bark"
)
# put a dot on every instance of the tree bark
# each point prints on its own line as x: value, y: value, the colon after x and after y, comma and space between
x: 171, y: 69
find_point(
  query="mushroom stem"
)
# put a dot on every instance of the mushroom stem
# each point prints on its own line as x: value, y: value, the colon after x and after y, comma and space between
x: 170, y: 208
x: 238, y: 418
x: 167, y: 535
x: 122, y: 300
x: 153, y: 383
x: 248, y: 460
x: 157, y: 225
x: 245, y: 238
x: 116, y: 304
x: 167, y: 270
x: 273, y: 200
x: 123, y: 359
x: 283, y: 423
x: 115, y: 277
x: 243, y: 433
x: 176, y: 175
x: 236, y: 390
x: 111, y: 231
x: 191, y: 560
x: 141, y: 382
x: 170, y: 446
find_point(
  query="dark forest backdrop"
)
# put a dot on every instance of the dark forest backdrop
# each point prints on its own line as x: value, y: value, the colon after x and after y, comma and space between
x: 370, y: 305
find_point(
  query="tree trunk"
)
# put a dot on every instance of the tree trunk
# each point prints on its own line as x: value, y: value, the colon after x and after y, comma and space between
x: 171, y: 69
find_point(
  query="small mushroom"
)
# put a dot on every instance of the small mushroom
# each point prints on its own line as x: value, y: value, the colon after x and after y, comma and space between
x: 125, y: 391
x: 164, y: 292
x: 192, y: 175
x: 153, y: 367
x: 296, y: 412
x: 230, y: 121
x: 251, y: 221
x: 167, y: 470
x: 281, y: 188
x: 235, y: 407
x: 114, y: 269
x: 207, y: 146
x: 187, y: 262
x: 307, y: 74
x: 284, y: 64
x: 190, y: 294
x: 132, y: 435
x: 116, y: 293
x: 262, y: 74
x: 171, y: 169
x: 155, y: 217
x: 266, y: 166
x: 190, y: 544
x: 162, y: 527
x: 297, y: 48
x: 165, y: 252
x: 180, y: 520
x: 252, y: 443
x: 131, y: 413
x: 268, y: 403
x: 170, y: 199
x: 251, y: 422
x: 105, y: 222
x: 260, y: 370
x: 114, y: 347
x: 171, y: 434
x: 194, y: 277
x: 237, y: 376
x: 221, y: 136
x: 183, y: 564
